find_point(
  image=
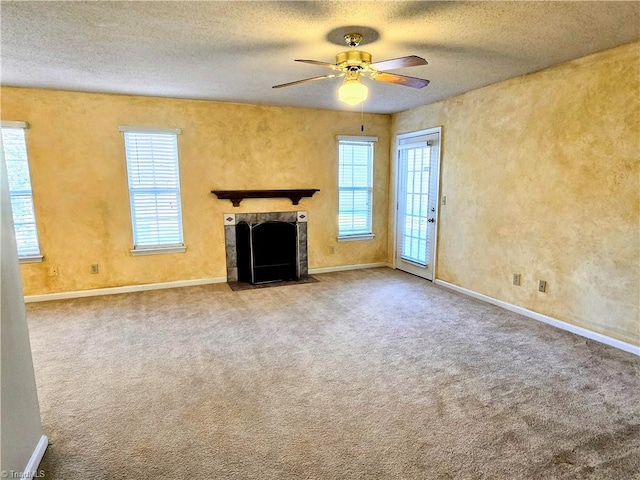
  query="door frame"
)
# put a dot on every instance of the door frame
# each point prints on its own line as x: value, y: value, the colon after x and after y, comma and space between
x: 396, y: 190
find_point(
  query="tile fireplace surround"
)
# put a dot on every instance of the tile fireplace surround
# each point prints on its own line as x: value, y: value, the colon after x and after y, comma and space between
x: 232, y: 219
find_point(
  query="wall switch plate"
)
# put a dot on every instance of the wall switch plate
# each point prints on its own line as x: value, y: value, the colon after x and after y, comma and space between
x: 95, y: 268
x: 516, y: 279
x: 444, y: 200
x: 542, y: 286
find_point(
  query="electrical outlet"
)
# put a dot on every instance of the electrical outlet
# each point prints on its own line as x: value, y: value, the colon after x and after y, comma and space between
x: 53, y: 271
x: 516, y: 279
x: 542, y: 286
x: 95, y: 268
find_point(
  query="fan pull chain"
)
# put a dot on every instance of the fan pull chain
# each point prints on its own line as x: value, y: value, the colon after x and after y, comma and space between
x: 362, y: 117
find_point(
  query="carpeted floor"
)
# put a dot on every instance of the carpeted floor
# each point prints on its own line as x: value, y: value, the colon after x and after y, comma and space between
x: 370, y: 374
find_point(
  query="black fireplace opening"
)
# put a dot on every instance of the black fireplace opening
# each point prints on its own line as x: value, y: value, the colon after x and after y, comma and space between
x: 267, y: 252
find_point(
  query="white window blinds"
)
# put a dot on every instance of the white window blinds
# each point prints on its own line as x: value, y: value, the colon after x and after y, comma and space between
x: 24, y: 219
x: 355, y: 185
x: 154, y: 187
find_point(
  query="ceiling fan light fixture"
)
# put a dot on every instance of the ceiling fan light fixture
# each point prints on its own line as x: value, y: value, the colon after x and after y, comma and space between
x: 353, y: 92
x: 355, y: 64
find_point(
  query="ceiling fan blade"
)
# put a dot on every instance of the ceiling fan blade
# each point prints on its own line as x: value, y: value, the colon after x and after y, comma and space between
x: 401, y: 80
x: 312, y: 79
x: 410, y: 61
x: 321, y: 64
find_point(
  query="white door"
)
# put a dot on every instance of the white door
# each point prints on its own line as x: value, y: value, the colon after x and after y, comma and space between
x: 418, y: 177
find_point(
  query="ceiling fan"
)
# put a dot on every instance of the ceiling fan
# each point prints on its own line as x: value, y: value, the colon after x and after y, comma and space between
x: 354, y: 63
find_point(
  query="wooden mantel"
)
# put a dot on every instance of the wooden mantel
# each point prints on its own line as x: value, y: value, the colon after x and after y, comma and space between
x: 236, y: 196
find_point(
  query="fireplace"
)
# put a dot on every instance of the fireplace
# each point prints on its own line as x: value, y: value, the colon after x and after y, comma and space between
x: 267, y: 251
x: 266, y: 247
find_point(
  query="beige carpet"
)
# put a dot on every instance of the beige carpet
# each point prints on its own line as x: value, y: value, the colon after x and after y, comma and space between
x: 371, y: 374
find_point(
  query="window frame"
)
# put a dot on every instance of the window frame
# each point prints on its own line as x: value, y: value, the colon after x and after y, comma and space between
x: 22, y: 125
x: 370, y: 142
x: 161, y: 248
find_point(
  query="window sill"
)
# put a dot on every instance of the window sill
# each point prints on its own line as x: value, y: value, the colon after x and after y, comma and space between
x: 351, y: 238
x: 158, y: 250
x: 31, y: 259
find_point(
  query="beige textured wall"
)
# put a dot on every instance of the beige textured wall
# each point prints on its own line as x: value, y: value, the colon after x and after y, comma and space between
x: 541, y: 175
x: 81, y: 200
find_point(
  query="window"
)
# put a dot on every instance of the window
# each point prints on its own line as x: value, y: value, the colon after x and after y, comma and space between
x: 24, y: 219
x: 355, y: 186
x: 154, y: 189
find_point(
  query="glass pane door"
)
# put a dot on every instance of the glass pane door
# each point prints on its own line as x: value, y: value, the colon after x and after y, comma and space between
x: 416, y: 201
x: 417, y: 170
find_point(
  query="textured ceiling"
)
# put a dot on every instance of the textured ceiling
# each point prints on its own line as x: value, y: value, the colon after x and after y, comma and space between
x: 235, y: 51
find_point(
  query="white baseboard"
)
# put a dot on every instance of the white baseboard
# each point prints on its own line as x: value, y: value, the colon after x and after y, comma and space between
x: 31, y: 470
x: 341, y: 268
x: 125, y: 289
x: 598, y: 337
x: 45, y: 297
